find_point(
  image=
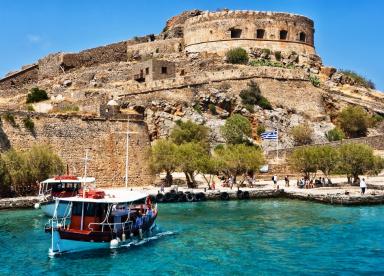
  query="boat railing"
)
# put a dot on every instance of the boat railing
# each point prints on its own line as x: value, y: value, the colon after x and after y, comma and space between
x: 124, y: 225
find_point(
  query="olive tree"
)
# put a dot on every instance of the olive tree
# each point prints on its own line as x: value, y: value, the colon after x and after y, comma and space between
x: 328, y: 158
x: 304, y: 160
x: 190, y: 157
x: 357, y: 159
x: 164, y: 158
x: 239, y: 159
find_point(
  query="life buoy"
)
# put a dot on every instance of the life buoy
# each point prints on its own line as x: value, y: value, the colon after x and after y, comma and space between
x: 224, y: 196
x: 190, y: 197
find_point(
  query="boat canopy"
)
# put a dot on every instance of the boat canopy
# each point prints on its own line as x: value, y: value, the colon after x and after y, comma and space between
x: 70, y: 180
x: 116, y: 196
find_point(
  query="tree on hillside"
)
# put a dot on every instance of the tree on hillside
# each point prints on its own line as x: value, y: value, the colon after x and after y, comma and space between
x: 44, y: 162
x: 190, y: 132
x: 236, y: 130
x: 239, y: 159
x: 304, y: 160
x: 355, y: 160
x: 354, y: 121
x: 164, y: 158
x: 302, y: 134
x: 190, y: 157
x: 252, y: 96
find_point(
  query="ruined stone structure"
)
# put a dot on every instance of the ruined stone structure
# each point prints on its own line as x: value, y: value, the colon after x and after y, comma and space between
x: 220, y: 31
x: 179, y: 74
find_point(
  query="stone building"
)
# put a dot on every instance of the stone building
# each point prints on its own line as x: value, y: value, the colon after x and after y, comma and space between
x: 221, y: 31
x: 153, y: 69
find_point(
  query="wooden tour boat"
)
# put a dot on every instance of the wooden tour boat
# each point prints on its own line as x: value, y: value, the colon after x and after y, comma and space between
x: 99, y: 219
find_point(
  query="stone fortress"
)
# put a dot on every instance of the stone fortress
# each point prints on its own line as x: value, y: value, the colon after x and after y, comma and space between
x: 179, y: 74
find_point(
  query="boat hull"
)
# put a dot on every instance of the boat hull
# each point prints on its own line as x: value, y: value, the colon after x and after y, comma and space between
x: 62, y: 243
x: 48, y: 209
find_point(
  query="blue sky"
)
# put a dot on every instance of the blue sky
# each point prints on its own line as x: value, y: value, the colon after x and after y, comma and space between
x: 349, y: 33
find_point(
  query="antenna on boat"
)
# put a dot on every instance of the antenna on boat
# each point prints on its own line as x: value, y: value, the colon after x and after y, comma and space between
x: 86, y: 159
x: 127, y: 152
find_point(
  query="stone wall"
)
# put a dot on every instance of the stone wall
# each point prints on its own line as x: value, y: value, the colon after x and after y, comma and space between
x: 71, y: 135
x: 246, y: 72
x: 212, y: 31
x: 376, y: 142
x: 18, y: 79
x: 154, y: 48
x: 110, y: 53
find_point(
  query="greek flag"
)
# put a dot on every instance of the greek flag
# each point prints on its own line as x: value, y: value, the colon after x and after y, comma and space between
x: 269, y: 135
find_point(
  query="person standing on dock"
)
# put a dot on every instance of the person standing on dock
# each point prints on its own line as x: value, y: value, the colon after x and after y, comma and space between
x: 274, y: 180
x: 286, y: 179
x: 363, y: 186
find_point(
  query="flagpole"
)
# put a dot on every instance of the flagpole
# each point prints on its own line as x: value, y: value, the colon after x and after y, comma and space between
x: 277, y: 145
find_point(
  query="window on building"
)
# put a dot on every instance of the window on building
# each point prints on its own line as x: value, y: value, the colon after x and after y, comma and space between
x: 302, y: 37
x: 147, y: 71
x: 182, y: 72
x: 283, y: 34
x: 260, y: 33
x: 164, y: 70
x: 236, y: 33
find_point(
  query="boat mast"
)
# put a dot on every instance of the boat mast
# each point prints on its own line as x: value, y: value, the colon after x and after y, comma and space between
x: 127, y: 152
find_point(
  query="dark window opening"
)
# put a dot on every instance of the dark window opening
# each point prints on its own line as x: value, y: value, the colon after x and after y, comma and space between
x: 283, y: 34
x: 260, y: 33
x: 182, y: 72
x: 236, y: 33
x: 151, y: 38
x: 163, y: 70
x: 302, y: 37
x: 147, y: 71
x: 157, y: 50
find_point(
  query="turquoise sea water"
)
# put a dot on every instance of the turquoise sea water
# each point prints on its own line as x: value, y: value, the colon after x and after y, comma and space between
x: 216, y: 238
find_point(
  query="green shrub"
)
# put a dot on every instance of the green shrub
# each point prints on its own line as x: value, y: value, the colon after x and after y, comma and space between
x: 302, y: 134
x: 264, y: 103
x: 278, y: 55
x: 197, y: 108
x: 252, y: 96
x: 37, y: 95
x: 66, y: 107
x: 249, y: 107
x: 359, y: 79
x: 30, y: 107
x: 29, y: 124
x: 260, y: 129
x: 314, y: 80
x: 10, y: 119
x: 266, y: 62
x: 335, y: 134
x: 236, y: 130
x: 266, y: 51
x: 237, y: 56
x: 354, y: 121
x: 377, y: 118
x: 212, y: 109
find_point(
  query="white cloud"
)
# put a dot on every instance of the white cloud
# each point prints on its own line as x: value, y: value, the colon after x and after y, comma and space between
x: 33, y: 38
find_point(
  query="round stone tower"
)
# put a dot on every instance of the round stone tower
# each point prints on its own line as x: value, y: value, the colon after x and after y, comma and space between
x: 220, y: 31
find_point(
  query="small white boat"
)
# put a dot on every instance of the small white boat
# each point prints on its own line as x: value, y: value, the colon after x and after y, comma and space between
x: 57, y: 187
x: 96, y: 219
